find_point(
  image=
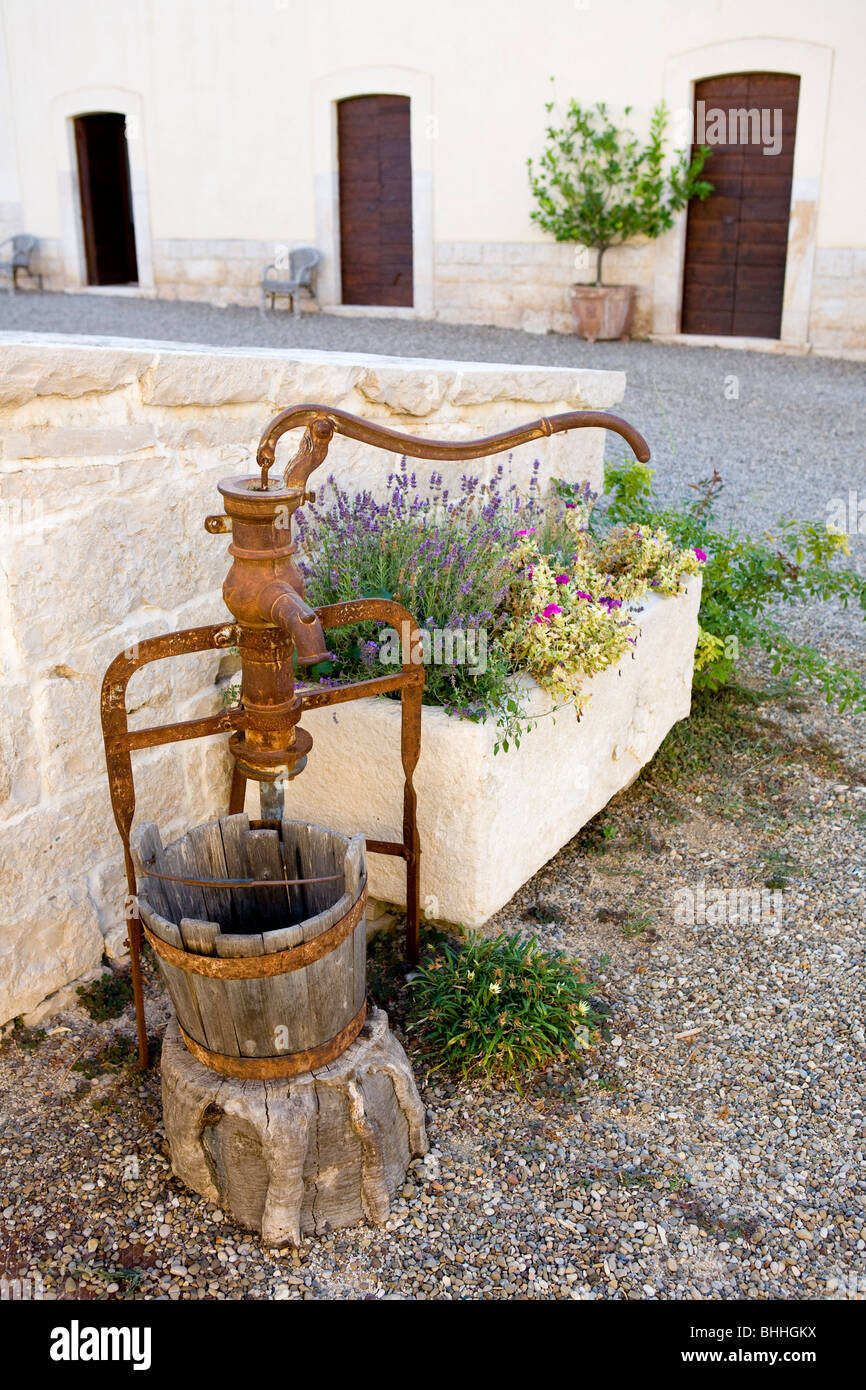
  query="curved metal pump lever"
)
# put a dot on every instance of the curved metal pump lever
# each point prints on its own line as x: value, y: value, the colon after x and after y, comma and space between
x: 323, y: 422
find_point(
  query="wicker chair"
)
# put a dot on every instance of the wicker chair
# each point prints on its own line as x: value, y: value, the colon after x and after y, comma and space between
x: 21, y: 248
x: 301, y: 277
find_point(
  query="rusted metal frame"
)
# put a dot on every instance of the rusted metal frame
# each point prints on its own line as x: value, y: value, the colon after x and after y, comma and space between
x: 387, y: 847
x: 224, y: 723
x: 322, y: 422
x: 410, y: 683
x: 410, y: 751
x: 121, y: 785
x: 238, y: 792
x: 356, y: 690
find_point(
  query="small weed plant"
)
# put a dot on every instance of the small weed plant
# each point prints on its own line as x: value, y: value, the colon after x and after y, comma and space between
x: 106, y: 997
x: 500, y: 1009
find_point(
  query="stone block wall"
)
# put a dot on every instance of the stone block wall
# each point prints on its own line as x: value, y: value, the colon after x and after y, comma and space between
x: 507, y: 284
x: 110, y: 460
x: 216, y: 272
x: 525, y: 284
x: 838, y: 314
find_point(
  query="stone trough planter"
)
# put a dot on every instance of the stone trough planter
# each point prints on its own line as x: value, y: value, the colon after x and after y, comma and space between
x: 488, y: 822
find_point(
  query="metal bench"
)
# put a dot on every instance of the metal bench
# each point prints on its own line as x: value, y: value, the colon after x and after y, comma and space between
x: 302, y: 272
x: 22, y: 248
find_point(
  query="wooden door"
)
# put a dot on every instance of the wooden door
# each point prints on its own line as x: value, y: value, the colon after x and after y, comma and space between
x: 737, y: 241
x: 375, y: 200
x: 106, y: 198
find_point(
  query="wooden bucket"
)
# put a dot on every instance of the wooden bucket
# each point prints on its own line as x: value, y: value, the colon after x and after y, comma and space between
x: 265, y: 982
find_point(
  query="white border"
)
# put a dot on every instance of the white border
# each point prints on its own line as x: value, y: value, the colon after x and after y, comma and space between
x: 355, y: 82
x: 78, y: 103
x: 812, y: 63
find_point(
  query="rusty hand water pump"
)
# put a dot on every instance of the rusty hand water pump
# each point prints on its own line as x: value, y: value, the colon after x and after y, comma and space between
x: 272, y: 625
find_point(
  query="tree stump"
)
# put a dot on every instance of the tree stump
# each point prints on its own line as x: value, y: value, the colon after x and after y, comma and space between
x: 303, y: 1154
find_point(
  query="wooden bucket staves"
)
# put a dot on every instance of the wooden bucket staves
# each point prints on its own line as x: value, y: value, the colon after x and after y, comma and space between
x: 265, y: 982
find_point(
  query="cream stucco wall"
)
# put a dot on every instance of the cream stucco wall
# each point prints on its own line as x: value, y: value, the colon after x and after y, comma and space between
x: 233, y: 151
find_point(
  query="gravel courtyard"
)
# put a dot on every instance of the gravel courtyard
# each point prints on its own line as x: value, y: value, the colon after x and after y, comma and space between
x: 712, y: 1146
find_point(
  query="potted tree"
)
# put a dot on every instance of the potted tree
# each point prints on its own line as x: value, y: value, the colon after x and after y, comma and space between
x: 597, y: 185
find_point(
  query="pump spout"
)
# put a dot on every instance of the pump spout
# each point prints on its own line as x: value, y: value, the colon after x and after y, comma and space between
x: 283, y: 606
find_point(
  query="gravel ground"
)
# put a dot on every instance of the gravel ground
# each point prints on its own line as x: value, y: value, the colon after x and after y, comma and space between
x: 712, y: 1146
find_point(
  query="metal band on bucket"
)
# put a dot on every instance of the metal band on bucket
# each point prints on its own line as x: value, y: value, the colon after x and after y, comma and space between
x: 289, y: 1064
x: 262, y: 967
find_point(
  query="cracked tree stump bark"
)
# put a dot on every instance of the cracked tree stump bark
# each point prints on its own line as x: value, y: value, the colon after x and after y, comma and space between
x: 301, y: 1155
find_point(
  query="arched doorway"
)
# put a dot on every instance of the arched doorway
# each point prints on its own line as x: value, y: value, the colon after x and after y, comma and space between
x: 737, y: 240
x: 106, y: 198
x: 375, y: 189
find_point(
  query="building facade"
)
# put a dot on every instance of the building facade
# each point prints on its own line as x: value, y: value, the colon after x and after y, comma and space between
x: 176, y: 147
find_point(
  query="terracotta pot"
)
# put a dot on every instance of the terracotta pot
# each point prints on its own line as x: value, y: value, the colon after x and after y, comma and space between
x: 603, y: 311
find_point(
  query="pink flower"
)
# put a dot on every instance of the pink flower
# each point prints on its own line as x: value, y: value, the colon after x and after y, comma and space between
x: 562, y: 579
x: 551, y: 609
x: 530, y: 572
x: 587, y: 597
x: 538, y: 618
x: 701, y: 554
x: 530, y: 532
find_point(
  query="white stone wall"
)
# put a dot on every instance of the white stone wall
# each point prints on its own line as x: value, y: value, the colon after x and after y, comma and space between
x: 111, y: 456
x: 838, y: 314
x: 506, y: 284
x: 525, y: 284
x: 228, y: 162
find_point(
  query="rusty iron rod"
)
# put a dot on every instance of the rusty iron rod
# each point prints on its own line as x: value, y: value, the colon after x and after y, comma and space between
x: 325, y: 421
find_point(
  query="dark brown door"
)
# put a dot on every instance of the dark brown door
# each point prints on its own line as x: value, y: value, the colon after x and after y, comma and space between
x: 106, y: 201
x: 375, y: 200
x: 736, y: 241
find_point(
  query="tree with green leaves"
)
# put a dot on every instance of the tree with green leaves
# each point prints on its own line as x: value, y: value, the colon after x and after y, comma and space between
x: 598, y: 185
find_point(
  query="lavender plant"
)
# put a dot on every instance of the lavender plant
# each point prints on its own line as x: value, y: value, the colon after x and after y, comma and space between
x: 444, y: 557
x: 549, y: 597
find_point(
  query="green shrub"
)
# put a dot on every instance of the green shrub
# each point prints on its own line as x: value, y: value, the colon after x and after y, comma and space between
x: 595, y: 183
x: 501, y: 1008
x: 745, y: 581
